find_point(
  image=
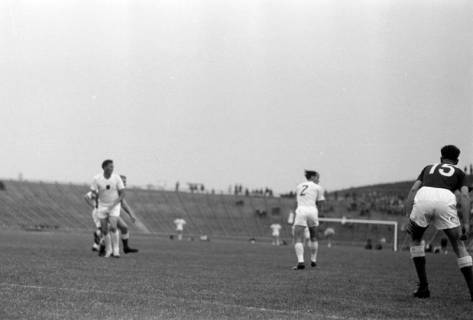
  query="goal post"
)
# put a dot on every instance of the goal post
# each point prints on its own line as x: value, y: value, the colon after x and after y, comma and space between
x: 344, y: 221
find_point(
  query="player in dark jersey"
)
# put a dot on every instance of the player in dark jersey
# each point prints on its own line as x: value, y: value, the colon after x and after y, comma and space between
x: 432, y: 200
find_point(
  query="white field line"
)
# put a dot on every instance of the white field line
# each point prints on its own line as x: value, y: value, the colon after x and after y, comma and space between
x: 221, y: 304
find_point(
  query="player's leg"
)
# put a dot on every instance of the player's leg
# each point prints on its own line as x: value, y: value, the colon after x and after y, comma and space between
x: 115, y: 238
x: 313, y: 245
x: 299, y: 247
x: 417, y: 225
x: 105, y: 237
x: 464, y: 259
x: 300, y: 223
x: 179, y: 234
x: 278, y: 240
x: 418, y: 258
x: 125, y: 235
x: 97, y: 232
x: 306, y: 236
x: 448, y: 221
x: 312, y: 224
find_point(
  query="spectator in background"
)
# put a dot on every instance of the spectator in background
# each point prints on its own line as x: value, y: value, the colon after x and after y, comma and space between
x: 177, y: 186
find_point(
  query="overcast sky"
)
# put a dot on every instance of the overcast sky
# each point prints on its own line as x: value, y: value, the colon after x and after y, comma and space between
x: 246, y: 91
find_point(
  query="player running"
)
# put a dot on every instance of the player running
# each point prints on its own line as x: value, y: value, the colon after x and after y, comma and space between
x: 309, y: 197
x: 432, y: 200
x: 110, y: 191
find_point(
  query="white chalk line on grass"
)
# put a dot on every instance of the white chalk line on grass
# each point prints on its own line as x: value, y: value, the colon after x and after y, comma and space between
x: 221, y: 304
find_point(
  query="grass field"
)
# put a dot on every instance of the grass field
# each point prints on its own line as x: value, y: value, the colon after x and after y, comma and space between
x: 55, y: 276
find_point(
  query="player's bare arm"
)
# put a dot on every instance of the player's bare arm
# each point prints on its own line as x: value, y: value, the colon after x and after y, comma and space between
x: 466, y: 207
x: 128, y: 210
x: 410, y: 197
x: 89, y: 201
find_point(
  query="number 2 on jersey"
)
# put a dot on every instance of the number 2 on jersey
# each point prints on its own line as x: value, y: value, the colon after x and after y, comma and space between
x: 304, y: 188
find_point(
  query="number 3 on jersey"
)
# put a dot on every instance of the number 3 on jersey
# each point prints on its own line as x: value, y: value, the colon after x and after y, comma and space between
x: 445, y: 170
x: 304, y: 188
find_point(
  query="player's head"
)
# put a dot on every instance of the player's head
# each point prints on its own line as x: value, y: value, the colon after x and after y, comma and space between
x: 123, y: 179
x: 450, y: 153
x: 312, y: 175
x: 107, y: 166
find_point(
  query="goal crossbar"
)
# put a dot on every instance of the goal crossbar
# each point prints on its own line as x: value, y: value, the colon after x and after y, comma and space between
x: 366, y: 221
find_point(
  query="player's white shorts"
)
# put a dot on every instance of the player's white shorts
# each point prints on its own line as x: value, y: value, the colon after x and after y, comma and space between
x: 95, y: 217
x: 276, y: 234
x: 435, y: 206
x: 307, y: 216
x: 103, y: 212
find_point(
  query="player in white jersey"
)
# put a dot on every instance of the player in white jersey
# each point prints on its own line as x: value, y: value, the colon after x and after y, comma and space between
x: 179, y: 222
x: 309, y: 197
x: 110, y: 192
x: 98, y: 245
x: 276, y: 228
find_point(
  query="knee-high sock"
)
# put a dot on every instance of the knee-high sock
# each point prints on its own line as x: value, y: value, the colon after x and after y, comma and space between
x: 108, y: 243
x: 418, y: 257
x: 125, y: 238
x: 115, y: 242
x: 465, y: 265
x: 314, y: 247
x: 299, y: 248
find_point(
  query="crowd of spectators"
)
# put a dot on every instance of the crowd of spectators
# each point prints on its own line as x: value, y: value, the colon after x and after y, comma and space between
x: 366, y: 202
x: 237, y: 189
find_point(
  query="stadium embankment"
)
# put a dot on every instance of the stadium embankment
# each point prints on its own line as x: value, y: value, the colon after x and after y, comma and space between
x: 58, y: 206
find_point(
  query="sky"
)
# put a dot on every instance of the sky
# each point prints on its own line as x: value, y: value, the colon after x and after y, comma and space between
x: 222, y: 92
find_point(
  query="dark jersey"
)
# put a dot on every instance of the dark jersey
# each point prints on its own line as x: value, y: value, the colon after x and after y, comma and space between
x: 442, y: 175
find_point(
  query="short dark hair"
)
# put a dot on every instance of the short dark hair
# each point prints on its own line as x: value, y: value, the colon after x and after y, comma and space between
x: 450, y: 152
x: 310, y: 173
x: 106, y: 163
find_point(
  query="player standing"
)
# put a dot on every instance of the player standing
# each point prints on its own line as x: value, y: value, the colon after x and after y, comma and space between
x: 179, y: 222
x: 276, y: 228
x: 431, y: 200
x: 309, y: 197
x: 110, y: 192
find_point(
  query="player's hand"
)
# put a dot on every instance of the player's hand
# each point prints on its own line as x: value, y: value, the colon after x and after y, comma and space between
x: 133, y: 219
x: 465, y: 232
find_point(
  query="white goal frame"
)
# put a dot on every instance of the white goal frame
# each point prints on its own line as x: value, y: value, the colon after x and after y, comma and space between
x: 366, y: 221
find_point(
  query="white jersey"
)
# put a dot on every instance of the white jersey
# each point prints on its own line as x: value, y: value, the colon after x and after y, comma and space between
x: 179, y: 224
x: 275, y: 227
x: 107, y: 189
x: 308, y: 193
